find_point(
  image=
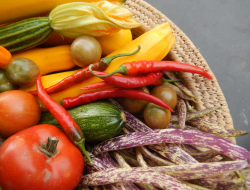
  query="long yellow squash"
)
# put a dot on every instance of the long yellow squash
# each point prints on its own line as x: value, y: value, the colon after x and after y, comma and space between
x: 155, y: 45
x: 49, y: 59
x: 14, y: 10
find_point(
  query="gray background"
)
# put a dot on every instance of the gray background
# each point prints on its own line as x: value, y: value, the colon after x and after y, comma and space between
x: 220, y: 29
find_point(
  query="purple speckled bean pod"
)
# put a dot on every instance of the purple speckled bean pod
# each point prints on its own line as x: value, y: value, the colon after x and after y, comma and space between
x: 145, y: 175
x: 194, y: 115
x: 159, y: 161
x: 203, y: 156
x: 109, y: 163
x: 208, y: 127
x: 171, y: 152
x: 182, y: 111
x: 219, y: 184
x: 134, y: 175
x: 237, y: 132
x: 123, y: 164
x: 84, y: 188
x: 179, y: 92
x: 129, y: 159
x: 99, y: 165
x: 192, y: 137
x: 140, y: 158
x: 171, y: 75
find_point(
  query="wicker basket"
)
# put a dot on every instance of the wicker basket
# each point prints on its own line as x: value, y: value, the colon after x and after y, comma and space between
x: 209, y: 93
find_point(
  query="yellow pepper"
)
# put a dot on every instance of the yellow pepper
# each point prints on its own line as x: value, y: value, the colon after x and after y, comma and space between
x: 155, y: 45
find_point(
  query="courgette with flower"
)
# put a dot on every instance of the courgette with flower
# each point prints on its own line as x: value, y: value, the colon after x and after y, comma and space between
x: 71, y: 20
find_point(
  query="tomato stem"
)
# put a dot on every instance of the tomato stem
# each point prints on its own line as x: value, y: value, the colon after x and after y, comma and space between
x: 50, y: 147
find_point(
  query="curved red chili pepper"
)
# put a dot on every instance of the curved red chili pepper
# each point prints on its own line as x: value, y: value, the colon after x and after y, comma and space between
x: 68, y: 124
x: 112, y: 93
x: 140, y: 67
x: 97, y: 85
x: 132, y: 82
x: 83, y: 74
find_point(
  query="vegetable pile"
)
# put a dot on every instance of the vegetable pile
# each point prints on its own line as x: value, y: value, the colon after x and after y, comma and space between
x: 97, y: 109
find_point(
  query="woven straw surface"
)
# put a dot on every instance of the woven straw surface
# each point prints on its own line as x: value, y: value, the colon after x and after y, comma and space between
x: 208, y: 92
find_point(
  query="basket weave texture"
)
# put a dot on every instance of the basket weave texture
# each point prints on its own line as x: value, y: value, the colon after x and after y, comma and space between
x: 208, y: 92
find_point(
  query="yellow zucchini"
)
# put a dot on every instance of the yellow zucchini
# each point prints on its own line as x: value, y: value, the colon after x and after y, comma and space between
x: 49, y: 59
x: 15, y: 10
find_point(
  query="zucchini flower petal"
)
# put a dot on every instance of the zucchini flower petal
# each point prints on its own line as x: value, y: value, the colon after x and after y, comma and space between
x: 78, y: 18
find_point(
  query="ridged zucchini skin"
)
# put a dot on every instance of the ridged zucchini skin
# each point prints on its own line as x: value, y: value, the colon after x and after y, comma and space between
x: 99, y: 121
x: 25, y: 34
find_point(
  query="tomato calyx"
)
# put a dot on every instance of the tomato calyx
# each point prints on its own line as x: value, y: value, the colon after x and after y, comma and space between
x: 50, y: 148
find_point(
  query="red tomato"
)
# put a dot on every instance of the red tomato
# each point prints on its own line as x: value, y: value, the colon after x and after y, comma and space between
x: 23, y: 166
x: 18, y: 110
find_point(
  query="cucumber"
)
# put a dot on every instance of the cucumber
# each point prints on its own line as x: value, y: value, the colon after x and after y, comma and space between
x: 99, y: 121
x: 25, y: 34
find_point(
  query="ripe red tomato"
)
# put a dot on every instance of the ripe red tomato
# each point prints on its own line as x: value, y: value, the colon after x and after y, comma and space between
x: 24, y: 166
x: 18, y: 110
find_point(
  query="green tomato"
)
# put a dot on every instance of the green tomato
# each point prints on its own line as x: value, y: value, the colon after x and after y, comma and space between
x: 5, y: 84
x: 22, y: 72
x: 85, y: 50
x: 166, y: 94
x: 134, y: 105
x: 156, y: 117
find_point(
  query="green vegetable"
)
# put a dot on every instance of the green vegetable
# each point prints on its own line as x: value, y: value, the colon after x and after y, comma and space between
x: 25, y: 34
x: 99, y: 121
x: 5, y: 83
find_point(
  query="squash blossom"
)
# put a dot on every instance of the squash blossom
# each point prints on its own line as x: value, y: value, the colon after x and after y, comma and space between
x: 101, y: 18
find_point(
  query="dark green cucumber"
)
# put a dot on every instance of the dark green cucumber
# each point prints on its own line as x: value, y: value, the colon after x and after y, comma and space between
x: 99, y: 121
x: 25, y: 34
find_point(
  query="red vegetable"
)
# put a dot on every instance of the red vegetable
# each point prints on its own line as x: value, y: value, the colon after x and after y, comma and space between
x: 132, y: 82
x: 24, y: 166
x: 111, y: 93
x: 83, y: 74
x: 66, y: 121
x: 140, y: 67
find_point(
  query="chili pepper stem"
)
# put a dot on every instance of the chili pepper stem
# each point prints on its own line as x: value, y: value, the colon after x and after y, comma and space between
x: 122, y: 70
x: 172, y: 80
x: 108, y: 60
x: 81, y: 146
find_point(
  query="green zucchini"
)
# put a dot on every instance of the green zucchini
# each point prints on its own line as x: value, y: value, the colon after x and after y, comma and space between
x: 25, y: 34
x: 99, y: 121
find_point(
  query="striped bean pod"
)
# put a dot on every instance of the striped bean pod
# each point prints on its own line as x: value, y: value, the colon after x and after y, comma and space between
x: 194, y: 115
x: 179, y: 92
x: 182, y: 111
x: 171, y: 75
x: 192, y: 137
x: 208, y: 127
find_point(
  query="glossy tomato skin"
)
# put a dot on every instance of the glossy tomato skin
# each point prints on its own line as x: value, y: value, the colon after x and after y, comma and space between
x: 18, y: 110
x: 23, y: 166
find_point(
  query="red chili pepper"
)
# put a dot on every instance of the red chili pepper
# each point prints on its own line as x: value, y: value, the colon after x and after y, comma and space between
x: 153, y: 78
x: 140, y: 67
x: 132, y: 82
x: 68, y: 124
x: 97, y: 85
x: 83, y: 74
x: 112, y: 93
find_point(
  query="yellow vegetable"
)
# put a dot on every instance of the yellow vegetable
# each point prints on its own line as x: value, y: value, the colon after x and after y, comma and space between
x: 109, y: 43
x: 49, y: 59
x: 78, y: 18
x: 113, y: 42
x: 155, y: 45
x: 14, y: 10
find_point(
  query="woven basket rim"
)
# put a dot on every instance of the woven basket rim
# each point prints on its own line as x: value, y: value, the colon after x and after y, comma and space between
x: 208, y: 92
